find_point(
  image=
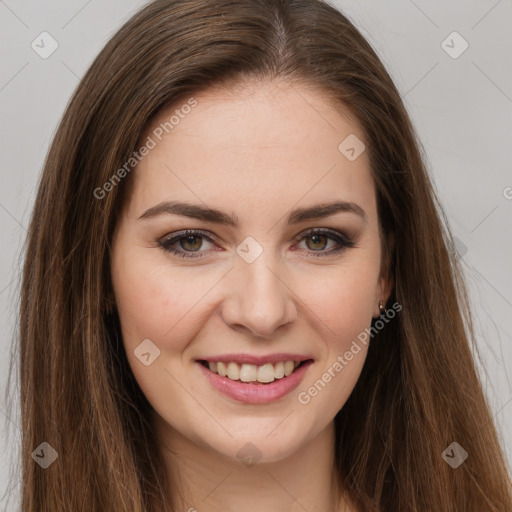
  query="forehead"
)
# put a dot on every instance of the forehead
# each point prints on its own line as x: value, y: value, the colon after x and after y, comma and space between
x: 267, y: 143
x: 251, y: 117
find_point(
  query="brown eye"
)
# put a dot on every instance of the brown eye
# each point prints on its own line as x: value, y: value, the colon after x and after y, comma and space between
x: 189, y: 242
x: 193, y: 242
x: 317, y: 240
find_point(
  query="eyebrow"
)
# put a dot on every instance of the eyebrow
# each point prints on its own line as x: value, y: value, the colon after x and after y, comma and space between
x: 194, y: 211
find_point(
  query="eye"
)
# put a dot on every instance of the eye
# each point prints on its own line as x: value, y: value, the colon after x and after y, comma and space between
x: 320, y: 238
x: 191, y: 241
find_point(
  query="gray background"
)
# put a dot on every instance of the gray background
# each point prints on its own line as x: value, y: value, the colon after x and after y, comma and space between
x: 461, y: 107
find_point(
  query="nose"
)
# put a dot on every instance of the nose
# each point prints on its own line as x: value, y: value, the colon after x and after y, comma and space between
x: 259, y: 300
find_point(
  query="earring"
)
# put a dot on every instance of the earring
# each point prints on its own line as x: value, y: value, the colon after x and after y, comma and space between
x: 382, y: 308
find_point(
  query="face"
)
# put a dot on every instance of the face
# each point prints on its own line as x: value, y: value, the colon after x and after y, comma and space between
x: 253, y: 273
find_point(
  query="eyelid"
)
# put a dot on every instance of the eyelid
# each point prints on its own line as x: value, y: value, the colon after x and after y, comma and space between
x: 322, y: 231
x: 175, y: 237
x: 343, y: 240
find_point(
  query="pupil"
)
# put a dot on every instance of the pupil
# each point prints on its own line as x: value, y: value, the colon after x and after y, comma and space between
x: 317, y: 237
x: 187, y: 240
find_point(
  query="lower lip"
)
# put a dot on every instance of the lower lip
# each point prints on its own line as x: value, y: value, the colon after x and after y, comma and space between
x: 250, y: 393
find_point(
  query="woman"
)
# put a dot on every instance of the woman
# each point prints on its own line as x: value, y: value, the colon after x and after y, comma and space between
x: 266, y: 371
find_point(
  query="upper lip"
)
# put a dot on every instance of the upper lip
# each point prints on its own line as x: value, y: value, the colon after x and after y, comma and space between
x: 256, y: 360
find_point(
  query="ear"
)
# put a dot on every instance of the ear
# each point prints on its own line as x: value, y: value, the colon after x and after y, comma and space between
x: 386, y: 279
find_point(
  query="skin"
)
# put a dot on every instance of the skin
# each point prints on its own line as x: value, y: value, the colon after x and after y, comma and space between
x: 257, y: 151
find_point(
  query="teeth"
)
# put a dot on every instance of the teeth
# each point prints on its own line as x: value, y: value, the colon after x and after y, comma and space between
x: 221, y: 369
x: 279, y: 370
x: 249, y: 373
x: 288, y: 368
x: 233, y: 371
x: 266, y: 373
x: 252, y: 373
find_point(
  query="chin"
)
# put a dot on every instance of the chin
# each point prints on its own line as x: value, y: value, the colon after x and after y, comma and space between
x: 267, y: 442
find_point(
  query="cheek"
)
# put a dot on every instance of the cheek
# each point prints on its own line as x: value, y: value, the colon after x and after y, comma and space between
x: 140, y: 298
x: 343, y: 301
x: 159, y: 303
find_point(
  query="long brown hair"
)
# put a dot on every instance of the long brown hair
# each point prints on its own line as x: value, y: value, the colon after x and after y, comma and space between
x: 419, y: 390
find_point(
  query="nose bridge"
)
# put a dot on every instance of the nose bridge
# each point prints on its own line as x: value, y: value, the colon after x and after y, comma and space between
x: 259, y: 299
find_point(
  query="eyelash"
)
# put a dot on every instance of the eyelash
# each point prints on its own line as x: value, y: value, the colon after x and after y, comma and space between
x: 342, y: 240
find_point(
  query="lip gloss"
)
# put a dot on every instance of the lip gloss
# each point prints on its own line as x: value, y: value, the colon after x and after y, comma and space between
x: 251, y: 393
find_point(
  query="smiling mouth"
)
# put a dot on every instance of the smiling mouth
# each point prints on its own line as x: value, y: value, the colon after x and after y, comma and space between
x: 253, y: 374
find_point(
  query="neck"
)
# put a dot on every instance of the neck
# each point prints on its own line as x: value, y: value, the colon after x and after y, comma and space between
x: 204, y: 480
